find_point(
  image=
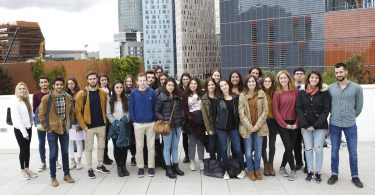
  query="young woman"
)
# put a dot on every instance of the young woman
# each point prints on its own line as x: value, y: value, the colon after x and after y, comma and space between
x: 313, y: 107
x: 235, y: 81
x: 117, y: 112
x: 167, y: 102
x: 284, y: 110
x: 207, y: 99
x: 269, y: 89
x: 75, y: 133
x: 192, y: 106
x: 104, y: 84
x: 22, y: 115
x: 253, y: 111
x: 226, y: 122
x: 129, y: 85
x: 162, y: 78
x: 184, y: 85
x: 257, y: 72
x: 216, y: 75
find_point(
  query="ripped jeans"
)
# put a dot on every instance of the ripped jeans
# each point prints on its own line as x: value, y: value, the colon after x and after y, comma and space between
x: 313, y: 141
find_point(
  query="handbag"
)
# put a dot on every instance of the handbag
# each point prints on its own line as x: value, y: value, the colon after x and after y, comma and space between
x: 9, y: 117
x: 164, y: 127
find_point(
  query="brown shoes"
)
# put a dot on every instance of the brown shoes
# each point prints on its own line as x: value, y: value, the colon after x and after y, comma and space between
x: 258, y: 175
x: 252, y: 176
x: 54, y: 182
x: 68, y: 179
x: 266, y: 169
x: 271, y: 170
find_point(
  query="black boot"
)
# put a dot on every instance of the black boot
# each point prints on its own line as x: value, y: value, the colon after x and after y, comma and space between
x: 126, y: 173
x: 169, y: 173
x: 177, y: 170
x: 120, y: 173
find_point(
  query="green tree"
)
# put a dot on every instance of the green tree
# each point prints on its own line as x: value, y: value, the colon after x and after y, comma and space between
x: 5, y: 82
x: 121, y: 67
x: 37, y: 70
x: 58, y: 71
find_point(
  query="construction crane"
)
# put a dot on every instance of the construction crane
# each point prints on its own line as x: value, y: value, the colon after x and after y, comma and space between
x: 11, y: 44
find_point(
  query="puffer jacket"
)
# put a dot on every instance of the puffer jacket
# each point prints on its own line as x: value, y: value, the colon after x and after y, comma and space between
x: 164, y: 106
x: 313, y: 110
x: 207, y: 114
x: 245, y: 114
x: 220, y: 112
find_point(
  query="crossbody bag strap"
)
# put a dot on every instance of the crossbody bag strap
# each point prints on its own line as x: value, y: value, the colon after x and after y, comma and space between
x: 174, y: 102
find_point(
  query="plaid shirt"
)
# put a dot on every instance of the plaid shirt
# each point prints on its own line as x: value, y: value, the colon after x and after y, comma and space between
x: 61, y: 105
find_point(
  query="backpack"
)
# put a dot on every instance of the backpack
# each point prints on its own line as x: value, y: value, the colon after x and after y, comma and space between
x: 212, y: 168
x: 9, y: 117
x: 233, y: 167
x: 36, y: 118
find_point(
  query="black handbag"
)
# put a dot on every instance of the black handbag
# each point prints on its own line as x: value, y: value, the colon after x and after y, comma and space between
x: 187, y: 128
x: 212, y: 168
x: 9, y: 117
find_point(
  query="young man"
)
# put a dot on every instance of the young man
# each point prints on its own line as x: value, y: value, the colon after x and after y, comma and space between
x: 37, y: 97
x: 346, y: 105
x: 56, y: 116
x: 91, y: 117
x: 151, y: 79
x: 141, y: 110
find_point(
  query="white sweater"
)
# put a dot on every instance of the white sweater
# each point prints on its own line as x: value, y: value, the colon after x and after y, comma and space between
x: 20, y: 116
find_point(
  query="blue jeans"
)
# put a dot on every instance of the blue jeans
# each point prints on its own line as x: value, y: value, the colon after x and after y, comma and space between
x: 171, y: 144
x: 234, y: 136
x: 351, y: 139
x: 313, y: 141
x: 42, y: 146
x: 257, y: 142
x: 52, y: 138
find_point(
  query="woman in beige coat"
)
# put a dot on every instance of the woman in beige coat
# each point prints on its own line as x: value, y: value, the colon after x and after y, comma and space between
x: 253, y: 112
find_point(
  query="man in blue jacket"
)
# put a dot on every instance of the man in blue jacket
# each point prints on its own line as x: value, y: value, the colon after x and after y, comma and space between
x: 141, y: 109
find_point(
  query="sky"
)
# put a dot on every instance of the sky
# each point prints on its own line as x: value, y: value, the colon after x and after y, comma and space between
x: 66, y: 24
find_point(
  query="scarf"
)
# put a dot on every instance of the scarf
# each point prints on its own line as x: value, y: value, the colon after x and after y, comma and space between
x: 311, y: 91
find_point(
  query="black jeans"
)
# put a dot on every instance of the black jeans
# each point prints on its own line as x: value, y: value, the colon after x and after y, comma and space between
x: 106, y: 157
x: 289, y: 138
x: 272, y: 128
x: 298, y: 148
x: 24, y: 145
x: 120, y: 154
x: 185, y: 144
x: 213, y: 147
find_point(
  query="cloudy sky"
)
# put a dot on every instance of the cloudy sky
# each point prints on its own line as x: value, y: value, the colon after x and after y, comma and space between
x: 66, y: 24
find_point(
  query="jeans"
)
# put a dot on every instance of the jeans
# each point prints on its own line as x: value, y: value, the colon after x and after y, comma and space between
x: 314, y: 141
x: 351, y: 139
x: 195, y: 143
x: 213, y: 147
x: 52, y: 138
x: 298, y: 148
x: 234, y: 136
x: 42, y: 146
x: 256, y: 141
x: 171, y: 144
x: 120, y: 154
x: 272, y: 127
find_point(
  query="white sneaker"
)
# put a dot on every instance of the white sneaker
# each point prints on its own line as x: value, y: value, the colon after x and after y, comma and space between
x: 58, y: 166
x: 42, y: 167
x: 72, y: 165
x: 201, y: 165
x: 79, y: 166
x: 192, y: 165
x: 32, y: 174
x: 226, y: 176
x: 241, y: 175
x: 25, y: 175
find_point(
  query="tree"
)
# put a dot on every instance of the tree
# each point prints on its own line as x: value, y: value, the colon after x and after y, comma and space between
x: 5, y: 82
x: 121, y: 67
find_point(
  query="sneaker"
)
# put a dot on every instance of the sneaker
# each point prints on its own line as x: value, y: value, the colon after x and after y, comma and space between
x: 201, y: 165
x: 283, y: 172
x: 332, y: 180
x: 32, y: 174
x: 151, y: 172
x: 102, y: 169
x: 241, y: 175
x: 318, y: 177
x: 58, y: 166
x: 292, y: 175
x: 42, y: 167
x: 25, y: 175
x: 141, y: 172
x: 357, y: 182
x: 133, y: 162
x: 226, y: 176
x: 79, y: 166
x: 299, y: 166
x: 72, y: 165
x: 91, y: 174
x: 309, y: 176
x: 192, y: 166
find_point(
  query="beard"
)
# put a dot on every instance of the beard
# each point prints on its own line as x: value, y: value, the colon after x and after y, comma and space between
x: 340, y: 78
x: 93, y: 85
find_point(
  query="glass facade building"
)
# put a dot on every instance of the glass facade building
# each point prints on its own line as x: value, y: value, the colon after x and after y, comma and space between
x: 284, y: 34
x: 130, y: 15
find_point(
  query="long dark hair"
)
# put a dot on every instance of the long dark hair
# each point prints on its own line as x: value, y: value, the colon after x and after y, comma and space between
x: 319, y: 85
x: 76, y: 86
x: 240, y: 83
x: 257, y: 68
x: 181, y: 85
x: 220, y: 93
x: 175, y: 91
x: 126, y: 88
x: 206, y: 85
x: 166, y: 75
x: 113, y: 98
x: 199, y: 88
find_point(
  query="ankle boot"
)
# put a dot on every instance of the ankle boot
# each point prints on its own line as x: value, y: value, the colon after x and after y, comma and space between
x: 120, y: 173
x: 266, y: 169
x: 271, y: 169
x: 177, y: 170
x: 126, y: 173
x: 169, y: 173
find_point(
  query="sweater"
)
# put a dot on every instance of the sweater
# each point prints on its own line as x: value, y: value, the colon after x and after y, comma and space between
x: 284, y: 107
x: 20, y: 117
x: 141, y: 106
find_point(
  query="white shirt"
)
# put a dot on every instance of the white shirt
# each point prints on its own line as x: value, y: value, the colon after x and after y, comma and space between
x: 194, y: 103
x: 20, y: 116
x: 117, y: 114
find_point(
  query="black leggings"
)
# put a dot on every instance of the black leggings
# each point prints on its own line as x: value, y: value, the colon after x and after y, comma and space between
x: 185, y: 144
x: 298, y: 147
x: 214, y: 148
x: 120, y: 154
x: 272, y: 128
x: 24, y: 145
x: 289, y: 138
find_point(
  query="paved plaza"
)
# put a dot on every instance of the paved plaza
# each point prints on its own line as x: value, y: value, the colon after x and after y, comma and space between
x: 193, y: 183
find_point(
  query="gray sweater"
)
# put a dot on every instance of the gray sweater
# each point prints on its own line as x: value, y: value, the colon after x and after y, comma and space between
x: 346, y: 104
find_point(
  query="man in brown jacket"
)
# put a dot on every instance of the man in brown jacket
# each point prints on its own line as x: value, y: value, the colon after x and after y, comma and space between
x: 90, y: 110
x: 56, y: 117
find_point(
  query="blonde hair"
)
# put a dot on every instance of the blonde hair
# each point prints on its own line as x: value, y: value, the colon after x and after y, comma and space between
x: 25, y: 99
x: 278, y: 87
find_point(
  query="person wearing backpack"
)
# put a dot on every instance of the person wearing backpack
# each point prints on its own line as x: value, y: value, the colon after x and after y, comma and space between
x: 56, y: 115
x: 21, y: 115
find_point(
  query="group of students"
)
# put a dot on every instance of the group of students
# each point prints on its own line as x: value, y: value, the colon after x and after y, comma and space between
x: 230, y: 118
